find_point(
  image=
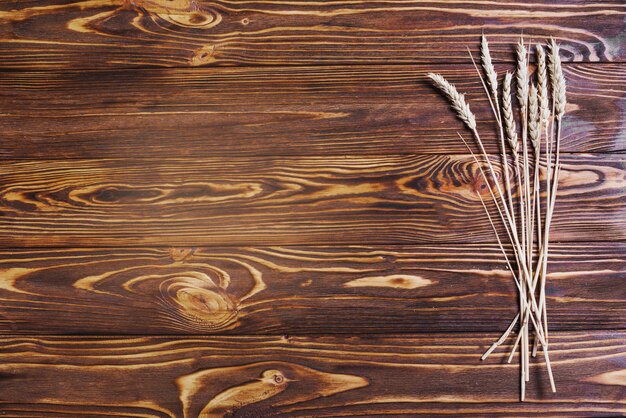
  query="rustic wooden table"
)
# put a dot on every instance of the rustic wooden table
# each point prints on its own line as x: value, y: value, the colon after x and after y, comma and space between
x: 261, y: 208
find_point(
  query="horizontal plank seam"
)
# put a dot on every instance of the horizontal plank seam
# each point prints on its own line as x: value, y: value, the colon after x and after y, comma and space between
x: 344, y: 157
x: 289, y: 335
x: 261, y: 246
x: 290, y: 67
x: 275, y: 155
x: 308, y: 244
x: 347, y: 64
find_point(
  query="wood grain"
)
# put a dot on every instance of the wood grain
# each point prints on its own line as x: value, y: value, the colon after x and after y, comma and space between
x: 295, y: 377
x: 285, y: 201
x: 116, y: 33
x: 300, y: 196
x: 299, y: 290
x: 279, y: 111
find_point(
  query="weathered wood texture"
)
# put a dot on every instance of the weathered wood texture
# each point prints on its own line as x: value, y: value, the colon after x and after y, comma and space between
x: 116, y: 33
x: 283, y: 201
x: 299, y: 290
x: 297, y: 377
x: 279, y: 111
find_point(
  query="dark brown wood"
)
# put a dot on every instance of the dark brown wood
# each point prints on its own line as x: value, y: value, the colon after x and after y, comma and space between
x: 117, y: 33
x: 283, y: 201
x: 299, y: 290
x: 277, y: 111
x: 305, y: 193
x: 296, y: 377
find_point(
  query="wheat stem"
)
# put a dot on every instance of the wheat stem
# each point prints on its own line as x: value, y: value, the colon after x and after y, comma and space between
x: 502, y: 339
x: 506, y: 257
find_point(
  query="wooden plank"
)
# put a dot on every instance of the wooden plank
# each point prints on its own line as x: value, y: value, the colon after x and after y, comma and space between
x: 299, y: 290
x: 294, y: 376
x: 124, y: 33
x: 285, y: 201
x: 278, y: 111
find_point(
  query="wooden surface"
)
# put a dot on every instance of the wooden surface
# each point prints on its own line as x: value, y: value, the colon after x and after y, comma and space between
x: 261, y: 208
x: 208, y: 112
x: 127, y: 33
x: 280, y: 201
x: 300, y: 376
x: 299, y: 290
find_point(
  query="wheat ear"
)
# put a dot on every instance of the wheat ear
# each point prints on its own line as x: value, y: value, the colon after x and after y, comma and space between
x: 490, y: 71
x: 534, y: 128
x: 522, y: 74
x: 558, y: 80
x: 457, y: 100
x: 507, y: 115
x: 542, y: 87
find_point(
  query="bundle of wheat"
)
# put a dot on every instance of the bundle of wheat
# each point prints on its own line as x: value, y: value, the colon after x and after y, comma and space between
x: 528, y: 233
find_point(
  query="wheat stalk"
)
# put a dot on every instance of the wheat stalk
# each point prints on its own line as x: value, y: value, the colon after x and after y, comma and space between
x: 511, y: 130
x: 545, y: 114
x: 516, y: 280
x: 536, y: 116
x: 558, y: 85
x: 521, y: 75
x: 534, y: 133
x: 525, y: 212
x: 544, y: 120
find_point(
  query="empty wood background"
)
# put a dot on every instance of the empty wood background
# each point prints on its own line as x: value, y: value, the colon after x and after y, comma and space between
x: 261, y: 208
